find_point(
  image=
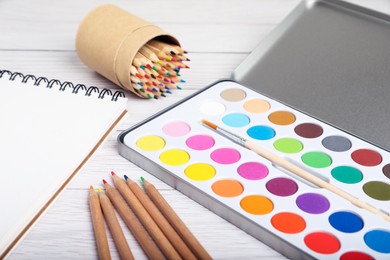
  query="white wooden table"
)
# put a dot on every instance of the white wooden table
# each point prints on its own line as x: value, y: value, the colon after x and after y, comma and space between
x: 37, y: 37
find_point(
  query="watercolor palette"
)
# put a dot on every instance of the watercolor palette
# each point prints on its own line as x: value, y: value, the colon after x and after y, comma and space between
x: 289, y: 214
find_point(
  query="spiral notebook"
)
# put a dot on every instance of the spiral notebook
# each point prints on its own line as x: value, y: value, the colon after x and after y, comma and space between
x: 49, y: 129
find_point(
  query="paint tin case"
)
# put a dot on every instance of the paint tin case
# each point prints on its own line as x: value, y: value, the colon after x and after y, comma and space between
x: 295, y: 218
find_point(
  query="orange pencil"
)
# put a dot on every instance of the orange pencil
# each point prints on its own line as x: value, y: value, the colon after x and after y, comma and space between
x: 114, y: 226
x: 98, y: 225
x: 144, y: 217
x: 175, y: 220
x: 132, y: 223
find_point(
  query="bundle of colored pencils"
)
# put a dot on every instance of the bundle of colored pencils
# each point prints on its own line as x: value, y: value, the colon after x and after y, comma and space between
x: 155, y: 225
x: 155, y: 69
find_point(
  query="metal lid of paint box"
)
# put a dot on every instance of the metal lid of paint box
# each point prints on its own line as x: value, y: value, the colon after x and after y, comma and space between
x: 331, y: 60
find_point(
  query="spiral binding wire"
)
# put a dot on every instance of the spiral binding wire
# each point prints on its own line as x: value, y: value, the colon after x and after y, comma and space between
x: 62, y: 86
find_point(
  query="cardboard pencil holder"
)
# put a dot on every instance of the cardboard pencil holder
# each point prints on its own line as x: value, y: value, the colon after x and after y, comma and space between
x: 108, y: 39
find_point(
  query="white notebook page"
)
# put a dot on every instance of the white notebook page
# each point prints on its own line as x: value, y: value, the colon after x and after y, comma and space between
x: 45, y: 136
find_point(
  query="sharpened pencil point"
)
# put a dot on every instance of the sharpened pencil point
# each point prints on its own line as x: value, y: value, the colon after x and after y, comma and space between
x: 112, y: 173
x: 100, y: 190
x: 91, y: 187
x: 142, y: 179
x: 104, y: 181
x: 125, y: 177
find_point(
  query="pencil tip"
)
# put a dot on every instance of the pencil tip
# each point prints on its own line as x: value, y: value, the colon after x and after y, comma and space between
x: 100, y: 190
x: 142, y: 179
x: 112, y: 173
x: 91, y: 187
x: 125, y: 177
x: 104, y: 181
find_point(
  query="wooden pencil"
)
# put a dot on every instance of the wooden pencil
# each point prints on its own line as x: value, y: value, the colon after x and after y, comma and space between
x: 98, y: 225
x: 139, y: 232
x: 175, y: 220
x: 164, y: 225
x: 151, y: 64
x: 154, y: 231
x: 148, y: 53
x: 164, y: 47
x: 160, y: 54
x: 140, y: 61
x: 114, y: 226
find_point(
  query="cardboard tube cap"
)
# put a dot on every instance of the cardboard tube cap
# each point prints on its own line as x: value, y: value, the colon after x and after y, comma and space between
x: 108, y: 39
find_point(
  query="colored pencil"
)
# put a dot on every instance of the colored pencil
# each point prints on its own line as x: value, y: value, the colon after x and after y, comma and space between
x: 114, y: 226
x: 148, y: 53
x: 98, y: 225
x: 139, y: 232
x: 161, y: 221
x: 156, y: 60
x: 164, y: 47
x: 160, y: 54
x: 144, y: 217
x: 175, y: 220
x: 287, y: 165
